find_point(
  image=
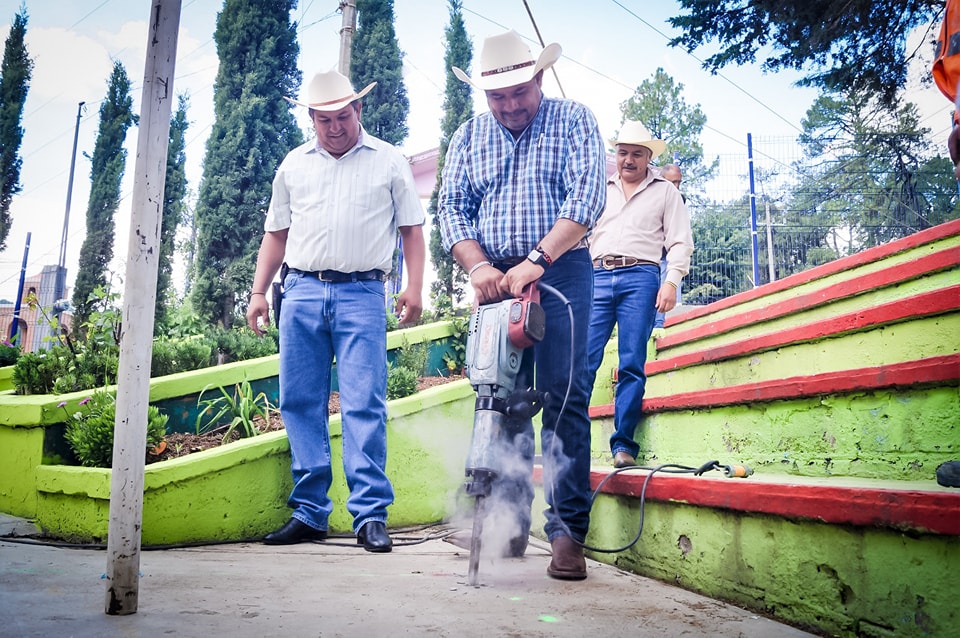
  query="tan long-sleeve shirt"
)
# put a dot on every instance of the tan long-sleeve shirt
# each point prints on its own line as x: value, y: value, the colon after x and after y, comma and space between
x: 654, y: 219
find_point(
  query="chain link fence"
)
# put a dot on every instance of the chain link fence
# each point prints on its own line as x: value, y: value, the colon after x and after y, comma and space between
x: 803, y: 212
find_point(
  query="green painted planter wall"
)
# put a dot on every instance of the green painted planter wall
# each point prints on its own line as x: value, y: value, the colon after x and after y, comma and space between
x: 239, y: 491
x: 31, y: 434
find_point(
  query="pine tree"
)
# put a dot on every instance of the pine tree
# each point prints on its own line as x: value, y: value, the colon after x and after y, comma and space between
x: 659, y: 104
x: 106, y: 172
x: 253, y: 129
x: 375, y: 57
x: 447, y: 290
x: 15, y: 76
x: 174, y: 193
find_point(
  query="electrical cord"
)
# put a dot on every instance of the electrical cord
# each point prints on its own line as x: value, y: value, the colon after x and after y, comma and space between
x: 668, y: 468
x: 399, y: 536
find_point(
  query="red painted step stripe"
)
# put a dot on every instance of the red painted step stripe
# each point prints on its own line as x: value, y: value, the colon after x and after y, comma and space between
x: 881, y: 279
x: 930, y: 235
x: 934, y: 511
x: 922, y: 305
x: 943, y: 369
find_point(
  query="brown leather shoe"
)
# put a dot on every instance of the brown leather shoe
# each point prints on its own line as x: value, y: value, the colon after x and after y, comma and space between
x: 623, y: 459
x: 567, y: 562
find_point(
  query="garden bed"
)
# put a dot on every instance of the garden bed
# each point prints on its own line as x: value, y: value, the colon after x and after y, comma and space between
x: 183, y: 443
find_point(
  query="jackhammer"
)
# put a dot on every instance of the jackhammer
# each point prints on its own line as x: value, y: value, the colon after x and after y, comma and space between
x: 499, y: 333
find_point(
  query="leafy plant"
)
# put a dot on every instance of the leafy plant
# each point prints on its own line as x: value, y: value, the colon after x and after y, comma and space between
x: 236, y: 410
x: 456, y: 357
x: 413, y: 356
x: 90, y: 429
x: 81, y: 363
x: 9, y: 353
x: 401, y: 382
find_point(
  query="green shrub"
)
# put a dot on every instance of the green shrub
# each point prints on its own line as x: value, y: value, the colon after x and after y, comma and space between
x: 9, y: 353
x: 401, y: 382
x: 413, y: 356
x: 179, y: 355
x: 236, y: 410
x: 241, y: 343
x: 90, y: 430
x: 35, y: 372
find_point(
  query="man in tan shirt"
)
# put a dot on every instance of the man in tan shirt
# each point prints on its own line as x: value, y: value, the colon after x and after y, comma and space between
x: 645, y: 216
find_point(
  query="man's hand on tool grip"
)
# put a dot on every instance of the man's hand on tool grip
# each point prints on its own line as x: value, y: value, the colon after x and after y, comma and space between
x: 519, y: 276
x: 486, y: 284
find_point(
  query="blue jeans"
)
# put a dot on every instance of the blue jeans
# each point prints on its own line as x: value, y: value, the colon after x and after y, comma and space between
x: 320, y: 320
x: 626, y: 297
x: 565, y: 445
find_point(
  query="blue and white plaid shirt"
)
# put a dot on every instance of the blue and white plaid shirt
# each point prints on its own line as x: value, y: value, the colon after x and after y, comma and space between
x: 507, y: 194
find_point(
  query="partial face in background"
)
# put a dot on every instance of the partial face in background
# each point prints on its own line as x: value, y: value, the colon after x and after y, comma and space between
x: 516, y: 106
x: 672, y: 174
x: 337, y: 131
x: 632, y: 162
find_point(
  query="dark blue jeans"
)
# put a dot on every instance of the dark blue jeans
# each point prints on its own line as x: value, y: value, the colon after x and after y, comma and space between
x: 565, y: 445
x: 626, y: 297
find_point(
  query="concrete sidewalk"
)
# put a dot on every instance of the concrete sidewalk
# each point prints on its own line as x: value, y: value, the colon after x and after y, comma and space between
x: 337, y: 589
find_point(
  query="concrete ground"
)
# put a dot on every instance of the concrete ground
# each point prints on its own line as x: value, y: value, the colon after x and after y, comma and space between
x: 336, y: 589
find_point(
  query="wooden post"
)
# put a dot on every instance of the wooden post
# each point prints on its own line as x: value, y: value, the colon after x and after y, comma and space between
x: 139, y: 297
x: 349, y: 25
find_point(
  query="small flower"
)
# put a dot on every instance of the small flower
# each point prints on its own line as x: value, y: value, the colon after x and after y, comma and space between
x: 78, y: 416
x: 86, y: 401
x: 61, y: 404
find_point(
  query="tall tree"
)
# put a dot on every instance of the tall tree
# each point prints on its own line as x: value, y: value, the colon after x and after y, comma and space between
x: 174, y: 193
x: 252, y: 131
x: 866, y: 158
x: 375, y: 57
x: 842, y: 45
x: 659, y: 104
x: 447, y: 290
x: 15, y: 74
x: 106, y: 172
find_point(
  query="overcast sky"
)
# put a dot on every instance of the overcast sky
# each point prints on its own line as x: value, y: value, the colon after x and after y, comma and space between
x: 609, y: 47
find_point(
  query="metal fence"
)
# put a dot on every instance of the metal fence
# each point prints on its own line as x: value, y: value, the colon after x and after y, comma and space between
x: 800, y: 215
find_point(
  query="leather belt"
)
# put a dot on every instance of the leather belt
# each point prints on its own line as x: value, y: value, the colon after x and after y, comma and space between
x: 507, y: 263
x: 609, y: 262
x: 337, y: 277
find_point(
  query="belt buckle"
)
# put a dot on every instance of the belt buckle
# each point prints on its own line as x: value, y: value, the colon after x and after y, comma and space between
x: 608, y: 262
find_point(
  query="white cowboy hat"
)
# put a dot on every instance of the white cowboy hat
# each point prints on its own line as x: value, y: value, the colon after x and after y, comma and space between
x: 633, y: 132
x: 330, y: 91
x: 506, y: 61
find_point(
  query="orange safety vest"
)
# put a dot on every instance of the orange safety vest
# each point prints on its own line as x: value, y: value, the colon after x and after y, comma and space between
x: 946, y: 62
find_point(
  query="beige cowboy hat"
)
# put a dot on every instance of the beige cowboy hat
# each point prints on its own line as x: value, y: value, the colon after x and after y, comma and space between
x: 506, y: 61
x: 330, y: 91
x: 633, y: 132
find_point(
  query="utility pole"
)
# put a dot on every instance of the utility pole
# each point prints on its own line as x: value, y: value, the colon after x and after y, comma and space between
x: 60, y: 287
x: 349, y: 26
x: 139, y: 297
x: 15, y: 323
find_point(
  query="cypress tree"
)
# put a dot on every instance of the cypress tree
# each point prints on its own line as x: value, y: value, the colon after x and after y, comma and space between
x: 15, y: 74
x: 174, y: 193
x: 106, y: 172
x: 252, y: 131
x: 375, y: 57
x: 447, y: 290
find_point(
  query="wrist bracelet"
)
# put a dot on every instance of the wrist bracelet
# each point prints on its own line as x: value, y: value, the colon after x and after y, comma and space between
x: 675, y: 286
x: 258, y: 293
x: 477, y: 265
